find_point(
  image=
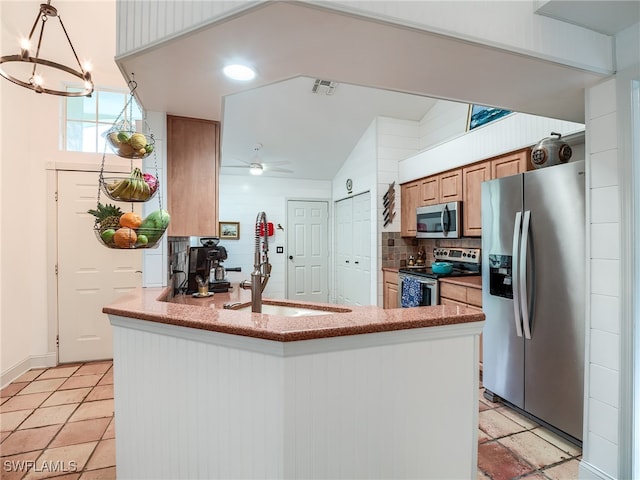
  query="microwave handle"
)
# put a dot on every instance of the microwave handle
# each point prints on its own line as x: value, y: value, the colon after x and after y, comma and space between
x: 443, y: 224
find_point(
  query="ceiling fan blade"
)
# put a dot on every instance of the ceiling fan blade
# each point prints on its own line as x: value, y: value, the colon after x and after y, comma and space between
x: 273, y: 164
x: 276, y: 169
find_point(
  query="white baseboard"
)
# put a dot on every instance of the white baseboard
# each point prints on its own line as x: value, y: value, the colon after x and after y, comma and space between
x: 34, y: 361
x: 587, y: 471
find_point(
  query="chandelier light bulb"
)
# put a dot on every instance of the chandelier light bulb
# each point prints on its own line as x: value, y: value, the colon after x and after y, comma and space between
x: 25, y: 44
x: 37, y: 80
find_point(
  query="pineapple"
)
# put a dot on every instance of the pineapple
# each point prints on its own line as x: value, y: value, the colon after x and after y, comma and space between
x: 107, y: 216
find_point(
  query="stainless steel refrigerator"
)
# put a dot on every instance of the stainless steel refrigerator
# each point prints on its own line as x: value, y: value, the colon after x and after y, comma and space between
x: 533, y: 269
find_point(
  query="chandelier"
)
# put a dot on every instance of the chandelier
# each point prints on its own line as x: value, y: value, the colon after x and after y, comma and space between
x: 35, y: 80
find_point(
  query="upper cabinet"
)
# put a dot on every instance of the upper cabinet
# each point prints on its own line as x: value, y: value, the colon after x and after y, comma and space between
x: 410, y: 198
x: 443, y: 188
x: 193, y: 157
x: 473, y: 176
x: 461, y: 184
x: 511, y: 164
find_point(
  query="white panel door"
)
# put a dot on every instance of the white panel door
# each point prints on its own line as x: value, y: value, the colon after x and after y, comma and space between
x: 353, y: 250
x: 344, y: 249
x: 361, y: 263
x: 307, y: 250
x: 90, y: 275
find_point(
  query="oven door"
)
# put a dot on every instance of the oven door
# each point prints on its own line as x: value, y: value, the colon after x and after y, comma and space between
x: 438, y: 221
x: 417, y: 291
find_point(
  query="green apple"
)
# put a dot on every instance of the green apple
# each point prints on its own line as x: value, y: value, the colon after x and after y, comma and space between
x: 142, y: 240
x: 107, y: 235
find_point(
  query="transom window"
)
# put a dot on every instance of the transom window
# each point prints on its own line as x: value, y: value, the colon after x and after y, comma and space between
x: 88, y: 118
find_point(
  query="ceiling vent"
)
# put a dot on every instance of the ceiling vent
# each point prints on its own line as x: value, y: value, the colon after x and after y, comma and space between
x: 324, y: 86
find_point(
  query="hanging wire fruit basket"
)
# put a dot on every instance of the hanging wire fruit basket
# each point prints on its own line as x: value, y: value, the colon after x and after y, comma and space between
x: 113, y: 227
x: 136, y: 187
x: 129, y: 230
x: 126, y: 142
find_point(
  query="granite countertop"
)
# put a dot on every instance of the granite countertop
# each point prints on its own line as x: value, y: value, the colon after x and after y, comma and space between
x: 153, y: 304
x: 473, y: 281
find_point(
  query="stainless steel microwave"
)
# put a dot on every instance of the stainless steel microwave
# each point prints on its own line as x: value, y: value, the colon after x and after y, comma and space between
x: 439, y: 221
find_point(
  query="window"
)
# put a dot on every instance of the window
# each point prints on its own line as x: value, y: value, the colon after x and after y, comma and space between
x: 87, y: 118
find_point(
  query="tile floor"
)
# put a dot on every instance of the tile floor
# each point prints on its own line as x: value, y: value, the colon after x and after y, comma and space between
x: 58, y: 423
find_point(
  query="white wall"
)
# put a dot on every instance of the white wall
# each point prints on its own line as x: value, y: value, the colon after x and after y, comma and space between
x: 609, y: 403
x: 444, y: 121
x: 242, y: 197
x: 29, y: 145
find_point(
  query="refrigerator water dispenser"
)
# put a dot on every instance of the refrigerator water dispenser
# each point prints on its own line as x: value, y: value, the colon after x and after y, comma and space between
x: 500, y: 276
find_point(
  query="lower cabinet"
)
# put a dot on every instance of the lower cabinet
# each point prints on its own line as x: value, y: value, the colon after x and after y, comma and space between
x: 470, y: 297
x: 390, y: 280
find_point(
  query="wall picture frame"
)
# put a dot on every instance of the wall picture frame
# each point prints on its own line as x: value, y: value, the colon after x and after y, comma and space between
x: 481, y: 115
x: 229, y: 230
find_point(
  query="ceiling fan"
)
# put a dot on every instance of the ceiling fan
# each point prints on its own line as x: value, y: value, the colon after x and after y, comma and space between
x: 257, y: 167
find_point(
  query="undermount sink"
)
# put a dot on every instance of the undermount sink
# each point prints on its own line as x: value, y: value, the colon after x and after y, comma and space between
x: 292, y: 310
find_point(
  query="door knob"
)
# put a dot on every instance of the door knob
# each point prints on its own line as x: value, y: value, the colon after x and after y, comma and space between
x: 290, y: 257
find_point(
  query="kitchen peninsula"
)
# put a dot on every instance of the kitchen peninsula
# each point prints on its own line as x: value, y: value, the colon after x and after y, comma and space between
x: 358, y: 392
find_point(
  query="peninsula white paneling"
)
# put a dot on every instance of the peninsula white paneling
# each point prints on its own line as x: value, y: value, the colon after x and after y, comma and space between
x: 507, y: 134
x: 360, y: 406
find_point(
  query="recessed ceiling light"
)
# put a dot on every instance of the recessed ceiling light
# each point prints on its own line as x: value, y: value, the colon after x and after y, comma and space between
x: 239, y: 72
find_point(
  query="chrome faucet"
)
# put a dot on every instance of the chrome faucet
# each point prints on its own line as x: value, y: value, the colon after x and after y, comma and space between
x: 261, y: 266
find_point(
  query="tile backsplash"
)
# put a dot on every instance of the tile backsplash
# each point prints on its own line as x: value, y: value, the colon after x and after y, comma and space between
x: 396, y: 249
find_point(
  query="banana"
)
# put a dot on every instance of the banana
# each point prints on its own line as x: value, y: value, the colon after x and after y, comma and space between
x: 120, y: 188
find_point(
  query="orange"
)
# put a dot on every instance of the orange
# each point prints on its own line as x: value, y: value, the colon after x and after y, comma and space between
x: 125, y: 237
x: 131, y: 220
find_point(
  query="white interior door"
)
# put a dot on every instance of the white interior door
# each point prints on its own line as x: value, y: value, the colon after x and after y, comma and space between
x: 353, y: 250
x: 344, y: 250
x: 361, y: 263
x: 90, y: 275
x: 307, y: 251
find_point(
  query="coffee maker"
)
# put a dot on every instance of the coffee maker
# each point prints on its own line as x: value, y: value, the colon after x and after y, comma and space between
x: 204, y: 259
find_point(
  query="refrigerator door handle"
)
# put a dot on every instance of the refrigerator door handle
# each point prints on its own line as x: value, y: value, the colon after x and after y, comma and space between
x: 524, y: 297
x: 514, y: 259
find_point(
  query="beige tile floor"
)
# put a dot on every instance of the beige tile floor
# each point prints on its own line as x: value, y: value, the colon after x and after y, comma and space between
x: 58, y: 423
x: 511, y: 446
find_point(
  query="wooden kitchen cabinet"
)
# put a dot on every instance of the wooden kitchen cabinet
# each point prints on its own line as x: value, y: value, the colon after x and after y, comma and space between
x: 442, y: 188
x: 472, y: 178
x: 450, y: 186
x: 193, y: 157
x: 470, y: 297
x: 511, y: 164
x: 410, y: 199
x: 429, y: 189
x: 390, y: 280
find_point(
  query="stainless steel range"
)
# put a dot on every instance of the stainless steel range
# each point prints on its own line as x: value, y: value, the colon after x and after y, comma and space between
x: 418, y: 285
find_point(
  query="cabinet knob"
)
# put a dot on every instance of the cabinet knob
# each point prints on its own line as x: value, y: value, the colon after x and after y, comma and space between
x: 290, y: 257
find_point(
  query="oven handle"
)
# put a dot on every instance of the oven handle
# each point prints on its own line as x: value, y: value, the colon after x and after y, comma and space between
x: 514, y: 273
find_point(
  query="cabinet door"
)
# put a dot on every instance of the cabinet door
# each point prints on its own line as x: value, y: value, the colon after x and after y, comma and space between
x: 429, y: 191
x: 473, y: 176
x: 511, y: 164
x: 410, y: 193
x: 193, y: 147
x: 390, y: 298
x: 390, y: 295
x: 450, y: 186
